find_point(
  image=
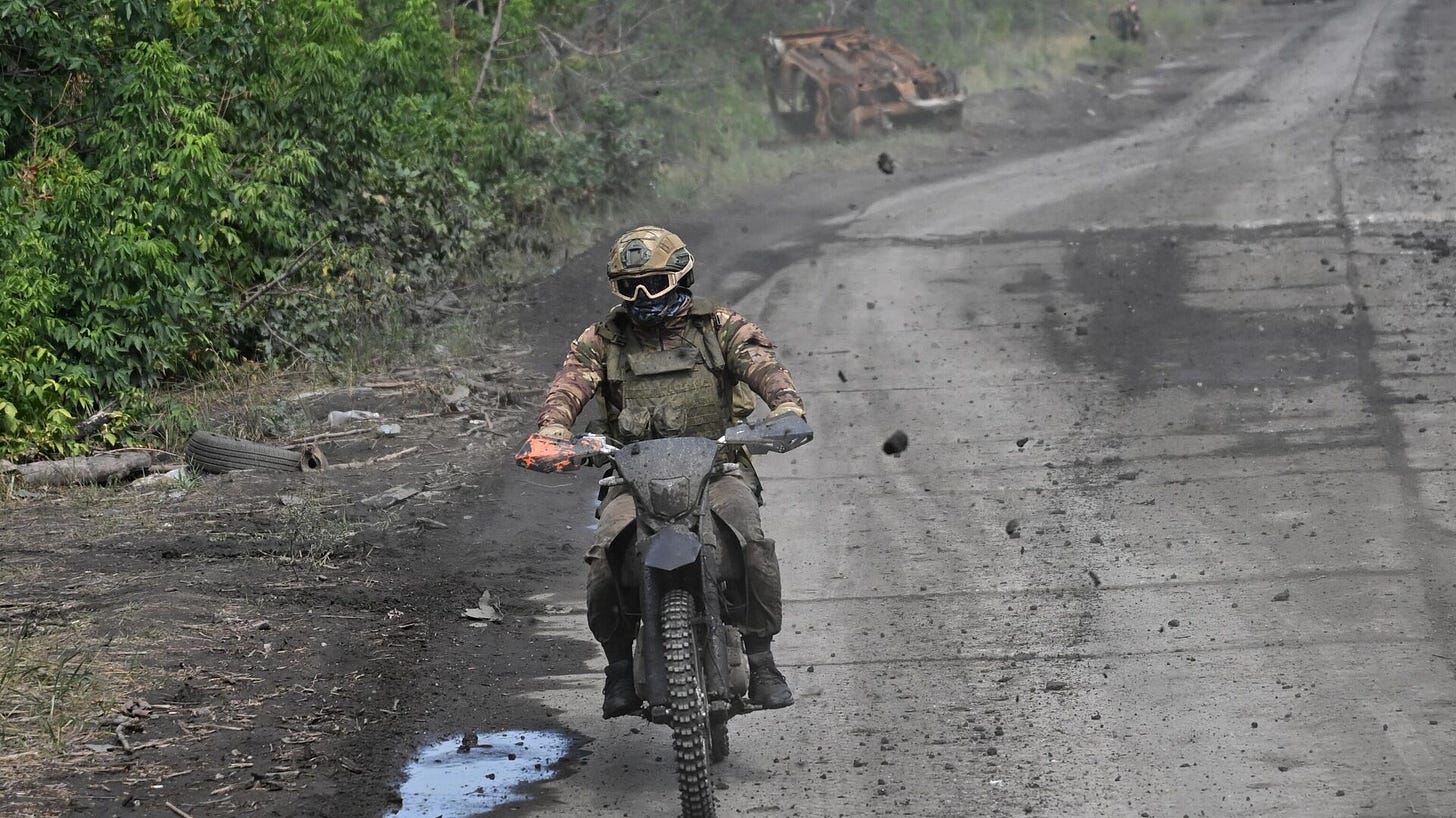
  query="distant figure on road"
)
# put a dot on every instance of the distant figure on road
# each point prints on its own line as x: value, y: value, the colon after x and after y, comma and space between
x: 1126, y: 22
x: 666, y: 364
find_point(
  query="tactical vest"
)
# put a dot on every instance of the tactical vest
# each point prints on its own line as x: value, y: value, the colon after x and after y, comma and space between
x: 680, y: 392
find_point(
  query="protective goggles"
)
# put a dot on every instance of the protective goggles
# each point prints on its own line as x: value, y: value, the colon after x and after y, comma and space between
x: 648, y: 285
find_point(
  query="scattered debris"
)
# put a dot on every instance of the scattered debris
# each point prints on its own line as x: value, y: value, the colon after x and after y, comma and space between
x: 74, y: 471
x: 359, y: 464
x: 435, y: 308
x: 1013, y: 528
x: 176, y: 810
x: 339, y: 419
x: 896, y: 443
x: 1021, y: 442
x: 216, y: 454
x: 1096, y: 580
x: 885, y: 163
x: 456, y: 397
x: 842, y: 379
x: 389, y: 429
x: 1056, y: 685
x: 1282, y: 596
x: 392, y: 497
x: 486, y: 610
x: 166, y: 478
x: 137, y: 709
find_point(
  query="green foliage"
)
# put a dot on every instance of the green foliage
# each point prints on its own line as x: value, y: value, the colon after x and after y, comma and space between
x: 198, y: 181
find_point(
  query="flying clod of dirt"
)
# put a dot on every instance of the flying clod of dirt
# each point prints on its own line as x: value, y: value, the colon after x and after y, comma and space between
x: 886, y: 164
x: 896, y: 443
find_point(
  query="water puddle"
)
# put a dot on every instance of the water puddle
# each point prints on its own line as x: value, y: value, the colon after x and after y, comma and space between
x: 444, y: 782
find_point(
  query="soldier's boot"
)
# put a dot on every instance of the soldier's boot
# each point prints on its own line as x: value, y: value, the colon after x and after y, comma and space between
x: 767, y: 687
x: 619, y: 694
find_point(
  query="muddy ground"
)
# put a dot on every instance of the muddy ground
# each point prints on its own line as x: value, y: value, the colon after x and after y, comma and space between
x: 294, y: 644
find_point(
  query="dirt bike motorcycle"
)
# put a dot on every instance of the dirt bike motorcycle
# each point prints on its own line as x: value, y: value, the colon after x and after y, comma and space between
x: 691, y: 672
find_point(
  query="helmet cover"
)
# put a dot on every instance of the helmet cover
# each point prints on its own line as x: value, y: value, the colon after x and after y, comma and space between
x: 648, y: 262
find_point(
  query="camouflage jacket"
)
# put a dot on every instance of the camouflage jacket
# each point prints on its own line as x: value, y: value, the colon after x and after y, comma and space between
x: 749, y: 355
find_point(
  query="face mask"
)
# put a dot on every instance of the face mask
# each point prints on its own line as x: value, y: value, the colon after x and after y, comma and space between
x: 654, y: 311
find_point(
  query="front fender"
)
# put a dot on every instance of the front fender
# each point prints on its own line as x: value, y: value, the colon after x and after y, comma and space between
x: 672, y: 547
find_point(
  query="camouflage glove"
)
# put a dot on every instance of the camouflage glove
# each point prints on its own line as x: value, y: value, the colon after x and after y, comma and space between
x: 554, y: 431
x: 786, y: 409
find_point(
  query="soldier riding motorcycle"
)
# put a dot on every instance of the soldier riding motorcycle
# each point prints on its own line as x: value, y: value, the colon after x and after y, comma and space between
x: 666, y: 364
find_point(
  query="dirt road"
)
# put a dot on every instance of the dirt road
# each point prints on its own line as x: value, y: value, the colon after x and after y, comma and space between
x: 1205, y: 370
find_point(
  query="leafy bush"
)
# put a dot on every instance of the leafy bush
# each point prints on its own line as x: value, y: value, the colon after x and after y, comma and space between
x: 196, y: 181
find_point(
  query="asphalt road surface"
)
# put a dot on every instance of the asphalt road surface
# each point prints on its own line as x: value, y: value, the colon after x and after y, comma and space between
x: 1202, y: 370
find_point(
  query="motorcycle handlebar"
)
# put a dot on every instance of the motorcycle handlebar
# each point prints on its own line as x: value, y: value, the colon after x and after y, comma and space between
x: 545, y: 454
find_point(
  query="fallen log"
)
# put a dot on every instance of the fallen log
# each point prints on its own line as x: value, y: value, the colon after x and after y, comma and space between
x: 74, y: 471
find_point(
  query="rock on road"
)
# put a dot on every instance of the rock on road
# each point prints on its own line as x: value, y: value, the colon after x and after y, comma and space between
x: 1233, y: 591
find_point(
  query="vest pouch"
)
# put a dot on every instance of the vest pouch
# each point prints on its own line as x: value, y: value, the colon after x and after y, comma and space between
x: 661, y: 362
x: 635, y: 422
x: 671, y: 421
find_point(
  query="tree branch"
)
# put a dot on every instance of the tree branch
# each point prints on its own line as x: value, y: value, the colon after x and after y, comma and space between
x: 561, y: 38
x: 495, y: 33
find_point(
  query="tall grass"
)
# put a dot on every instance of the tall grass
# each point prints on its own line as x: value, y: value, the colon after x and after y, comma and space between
x: 49, y: 687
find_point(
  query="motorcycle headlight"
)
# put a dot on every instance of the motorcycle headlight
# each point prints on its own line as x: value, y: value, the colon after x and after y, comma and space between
x: 671, y: 498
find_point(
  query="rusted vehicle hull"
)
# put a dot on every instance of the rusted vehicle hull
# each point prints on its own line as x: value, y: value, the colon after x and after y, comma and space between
x: 835, y: 81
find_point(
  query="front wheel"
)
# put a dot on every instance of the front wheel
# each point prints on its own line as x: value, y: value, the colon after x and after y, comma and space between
x: 691, y: 730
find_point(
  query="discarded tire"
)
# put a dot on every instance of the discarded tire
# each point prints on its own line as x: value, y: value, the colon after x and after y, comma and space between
x: 216, y: 454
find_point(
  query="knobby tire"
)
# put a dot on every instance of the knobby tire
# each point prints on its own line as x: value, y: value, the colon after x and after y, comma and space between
x: 691, y: 731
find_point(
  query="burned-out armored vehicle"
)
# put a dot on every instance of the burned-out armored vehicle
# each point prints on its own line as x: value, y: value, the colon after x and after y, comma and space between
x: 834, y: 81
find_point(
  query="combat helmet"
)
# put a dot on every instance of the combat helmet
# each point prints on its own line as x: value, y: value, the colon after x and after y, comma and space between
x: 648, y: 262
